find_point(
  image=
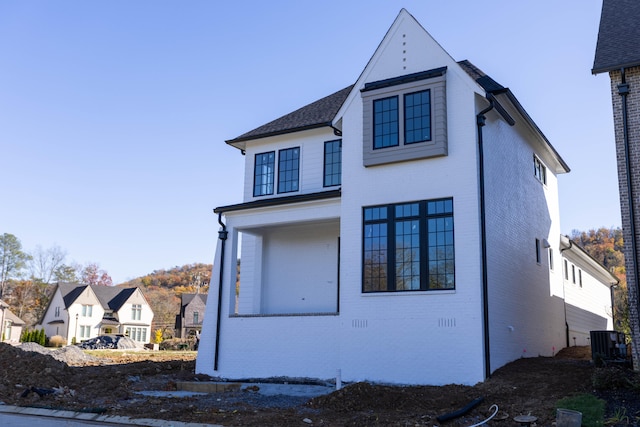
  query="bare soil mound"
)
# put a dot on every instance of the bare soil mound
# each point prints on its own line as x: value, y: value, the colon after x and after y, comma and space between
x: 110, y: 384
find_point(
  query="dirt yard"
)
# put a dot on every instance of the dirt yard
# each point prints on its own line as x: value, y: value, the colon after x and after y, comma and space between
x: 108, y: 384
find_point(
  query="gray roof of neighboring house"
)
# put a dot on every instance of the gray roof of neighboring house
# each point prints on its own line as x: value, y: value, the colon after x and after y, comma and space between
x: 8, y: 315
x: 317, y: 114
x: 618, y: 43
x: 187, y: 298
x: 110, y: 297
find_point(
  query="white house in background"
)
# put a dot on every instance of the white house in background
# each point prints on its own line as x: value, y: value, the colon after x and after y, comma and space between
x: 400, y: 230
x: 11, y: 324
x: 588, y: 301
x: 86, y: 311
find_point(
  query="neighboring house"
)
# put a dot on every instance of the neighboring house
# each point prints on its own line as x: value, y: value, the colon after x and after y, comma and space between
x: 11, y: 324
x: 588, y: 304
x: 192, y: 308
x: 79, y: 312
x: 404, y: 230
x: 618, y: 53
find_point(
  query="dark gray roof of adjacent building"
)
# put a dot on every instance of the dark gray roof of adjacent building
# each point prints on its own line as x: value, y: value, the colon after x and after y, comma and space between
x: 187, y: 298
x: 317, y: 114
x: 618, y: 43
x: 110, y: 297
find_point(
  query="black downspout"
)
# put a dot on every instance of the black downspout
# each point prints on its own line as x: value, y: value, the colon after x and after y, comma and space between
x: 222, y: 235
x: 564, y: 302
x: 480, y: 122
x: 623, y: 91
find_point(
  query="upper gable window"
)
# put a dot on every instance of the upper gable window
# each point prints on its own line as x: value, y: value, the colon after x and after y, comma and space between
x: 404, y: 118
x: 417, y: 117
x: 385, y: 122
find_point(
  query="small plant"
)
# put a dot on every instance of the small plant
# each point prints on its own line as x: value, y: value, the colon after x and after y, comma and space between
x: 619, y: 417
x: 158, y: 336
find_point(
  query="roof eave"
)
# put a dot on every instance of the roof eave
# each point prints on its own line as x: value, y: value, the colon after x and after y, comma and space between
x: 239, y: 142
x: 563, y: 166
x: 609, y: 68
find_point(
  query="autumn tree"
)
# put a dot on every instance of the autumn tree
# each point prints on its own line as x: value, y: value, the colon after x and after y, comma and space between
x: 12, y: 260
x: 91, y: 274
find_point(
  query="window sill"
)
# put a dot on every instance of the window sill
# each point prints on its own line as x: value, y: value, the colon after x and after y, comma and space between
x: 285, y: 315
x: 409, y: 293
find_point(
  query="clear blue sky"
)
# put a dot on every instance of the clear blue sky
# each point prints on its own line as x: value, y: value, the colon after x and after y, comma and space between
x: 113, y: 114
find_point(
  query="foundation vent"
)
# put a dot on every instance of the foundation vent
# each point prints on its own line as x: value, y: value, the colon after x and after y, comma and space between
x: 359, y: 323
x: 447, y: 323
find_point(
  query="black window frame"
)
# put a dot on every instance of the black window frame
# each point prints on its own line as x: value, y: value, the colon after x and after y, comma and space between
x: 434, y: 273
x: 407, y: 118
x: 539, y: 170
x: 390, y: 123
x: 262, y: 183
x: 289, y: 170
x: 330, y: 162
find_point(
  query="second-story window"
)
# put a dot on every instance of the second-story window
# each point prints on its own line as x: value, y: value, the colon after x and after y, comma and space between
x: 196, y: 317
x: 288, y: 169
x: 87, y: 310
x: 539, y: 170
x: 57, y: 312
x: 136, y: 311
x: 264, y: 173
x: 332, y: 163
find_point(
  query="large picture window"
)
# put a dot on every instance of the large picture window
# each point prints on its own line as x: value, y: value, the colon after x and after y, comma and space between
x: 408, y: 247
x: 332, y: 163
x: 288, y: 170
x: 263, y: 174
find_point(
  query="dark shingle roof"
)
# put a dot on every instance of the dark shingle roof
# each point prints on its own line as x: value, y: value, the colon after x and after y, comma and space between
x: 618, y: 43
x: 317, y: 114
x: 486, y: 82
x: 110, y: 297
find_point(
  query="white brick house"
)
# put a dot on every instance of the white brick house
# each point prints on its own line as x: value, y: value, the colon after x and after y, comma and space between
x: 80, y: 312
x: 399, y: 230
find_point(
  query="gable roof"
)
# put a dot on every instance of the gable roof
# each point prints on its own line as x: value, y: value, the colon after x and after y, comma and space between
x: 324, y: 112
x: 9, y: 315
x: 187, y: 298
x: 315, y: 115
x: 618, y: 43
x: 497, y: 90
x: 110, y: 297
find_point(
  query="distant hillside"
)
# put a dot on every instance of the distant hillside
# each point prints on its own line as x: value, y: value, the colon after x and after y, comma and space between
x: 163, y: 288
x: 187, y: 278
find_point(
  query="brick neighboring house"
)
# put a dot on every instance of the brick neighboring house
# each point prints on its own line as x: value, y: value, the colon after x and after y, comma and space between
x: 405, y: 229
x: 618, y: 54
x: 192, y: 307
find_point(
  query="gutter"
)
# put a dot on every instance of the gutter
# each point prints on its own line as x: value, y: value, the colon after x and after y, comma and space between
x: 480, y: 122
x: 222, y: 235
x: 564, y: 296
